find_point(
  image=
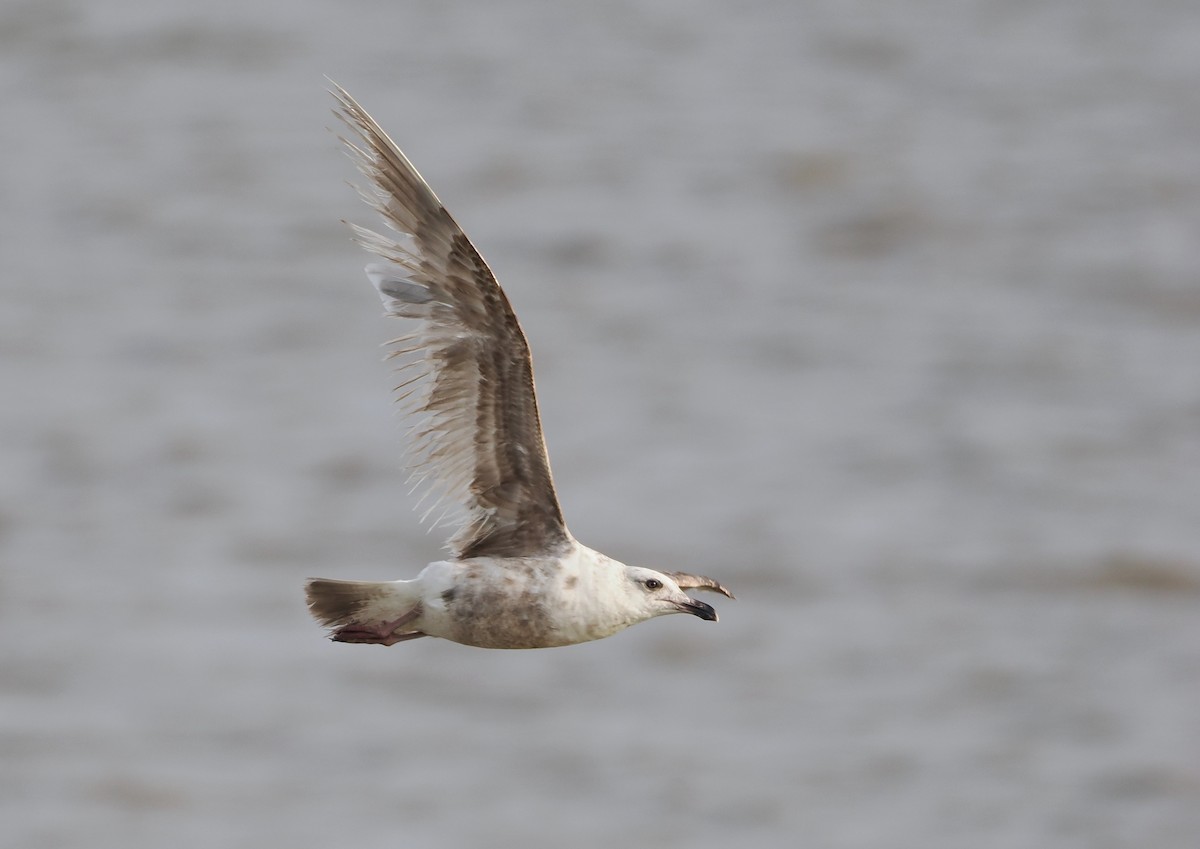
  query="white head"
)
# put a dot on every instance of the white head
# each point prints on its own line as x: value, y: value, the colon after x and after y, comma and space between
x: 652, y: 593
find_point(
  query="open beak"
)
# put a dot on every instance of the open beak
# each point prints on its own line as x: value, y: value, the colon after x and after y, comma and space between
x: 698, y: 608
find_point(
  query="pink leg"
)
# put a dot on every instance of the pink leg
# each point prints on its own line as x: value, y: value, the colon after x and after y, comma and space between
x: 383, y: 634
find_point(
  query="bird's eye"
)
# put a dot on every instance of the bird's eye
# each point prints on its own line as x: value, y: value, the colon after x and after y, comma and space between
x: 653, y: 584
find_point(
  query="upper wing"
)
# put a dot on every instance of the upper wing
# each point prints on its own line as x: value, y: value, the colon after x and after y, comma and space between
x: 468, y: 372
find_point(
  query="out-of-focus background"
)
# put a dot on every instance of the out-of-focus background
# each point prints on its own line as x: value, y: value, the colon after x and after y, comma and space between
x: 886, y: 314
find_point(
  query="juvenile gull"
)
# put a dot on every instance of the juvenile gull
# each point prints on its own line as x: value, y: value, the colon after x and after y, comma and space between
x: 517, y: 578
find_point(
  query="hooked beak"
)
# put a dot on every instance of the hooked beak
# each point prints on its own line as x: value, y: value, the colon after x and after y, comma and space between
x: 698, y: 608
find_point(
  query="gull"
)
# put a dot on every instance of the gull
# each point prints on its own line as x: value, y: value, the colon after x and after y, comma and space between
x: 516, y: 577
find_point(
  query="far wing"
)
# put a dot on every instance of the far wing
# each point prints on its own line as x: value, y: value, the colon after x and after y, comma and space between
x: 697, y: 582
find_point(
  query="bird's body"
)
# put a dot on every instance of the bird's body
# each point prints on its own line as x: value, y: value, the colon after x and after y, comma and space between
x: 517, y: 577
x: 510, y: 603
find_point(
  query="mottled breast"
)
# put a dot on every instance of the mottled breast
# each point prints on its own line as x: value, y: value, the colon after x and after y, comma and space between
x: 504, y: 607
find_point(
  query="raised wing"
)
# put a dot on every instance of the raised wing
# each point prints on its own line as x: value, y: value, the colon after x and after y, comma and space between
x: 468, y: 374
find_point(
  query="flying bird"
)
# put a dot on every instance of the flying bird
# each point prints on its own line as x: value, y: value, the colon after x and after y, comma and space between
x: 516, y: 578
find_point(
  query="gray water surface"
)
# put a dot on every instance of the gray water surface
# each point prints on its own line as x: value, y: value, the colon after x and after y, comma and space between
x: 885, y: 314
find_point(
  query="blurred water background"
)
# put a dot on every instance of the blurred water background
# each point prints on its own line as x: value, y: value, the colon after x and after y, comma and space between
x: 886, y: 314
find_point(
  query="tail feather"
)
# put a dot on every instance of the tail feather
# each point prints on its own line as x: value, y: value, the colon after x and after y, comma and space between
x: 338, y: 603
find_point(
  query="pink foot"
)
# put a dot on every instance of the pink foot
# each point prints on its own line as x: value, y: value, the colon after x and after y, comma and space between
x: 383, y: 634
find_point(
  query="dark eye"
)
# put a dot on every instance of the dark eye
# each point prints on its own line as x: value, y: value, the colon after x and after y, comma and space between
x: 653, y: 584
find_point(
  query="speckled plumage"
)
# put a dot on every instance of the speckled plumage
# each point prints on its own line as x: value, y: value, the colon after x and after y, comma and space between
x: 517, y: 578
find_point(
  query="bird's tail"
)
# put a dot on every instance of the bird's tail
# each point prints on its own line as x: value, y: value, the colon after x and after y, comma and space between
x: 336, y: 604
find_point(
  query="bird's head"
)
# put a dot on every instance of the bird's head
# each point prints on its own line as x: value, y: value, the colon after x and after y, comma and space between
x: 660, y: 593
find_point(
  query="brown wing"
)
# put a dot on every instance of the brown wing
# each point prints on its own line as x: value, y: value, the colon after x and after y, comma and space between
x: 698, y: 582
x: 468, y: 373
